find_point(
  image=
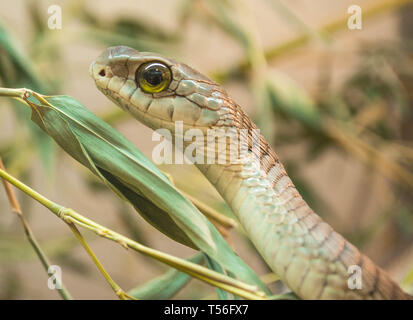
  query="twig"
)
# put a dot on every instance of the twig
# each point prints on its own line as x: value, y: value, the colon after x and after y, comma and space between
x: 14, y: 203
x: 209, y: 276
x: 116, y: 288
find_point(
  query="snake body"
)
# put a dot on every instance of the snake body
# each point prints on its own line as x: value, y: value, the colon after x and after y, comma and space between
x: 308, y: 255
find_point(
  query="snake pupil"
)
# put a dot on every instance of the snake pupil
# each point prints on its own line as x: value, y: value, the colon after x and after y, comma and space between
x: 153, y: 76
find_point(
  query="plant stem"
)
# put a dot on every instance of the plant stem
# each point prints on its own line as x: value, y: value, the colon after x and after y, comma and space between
x: 14, y: 93
x: 14, y: 203
x: 116, y: 288
x: 70, y: 216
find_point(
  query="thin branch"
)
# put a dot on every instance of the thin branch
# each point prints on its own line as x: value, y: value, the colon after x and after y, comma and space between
x: 14, y: 203
x: 116, y: 288
x: 209, y: 276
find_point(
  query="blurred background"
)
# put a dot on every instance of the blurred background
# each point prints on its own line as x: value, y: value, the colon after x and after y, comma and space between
x: 336, y: 104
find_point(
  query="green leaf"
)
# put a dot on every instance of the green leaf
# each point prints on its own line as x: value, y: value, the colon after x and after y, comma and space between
x: 21, y: 65
x: 165, y: 286
x: 124, y: 169
x: 222, y: 294
x: 16, y: 70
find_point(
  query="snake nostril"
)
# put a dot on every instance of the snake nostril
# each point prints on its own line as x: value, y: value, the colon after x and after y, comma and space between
x: 102, y: 73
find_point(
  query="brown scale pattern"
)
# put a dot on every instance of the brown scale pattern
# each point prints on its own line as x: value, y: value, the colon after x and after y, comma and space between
x: 380, y: 284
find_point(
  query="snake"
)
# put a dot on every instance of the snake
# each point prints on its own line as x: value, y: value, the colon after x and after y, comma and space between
x: 308, y: 255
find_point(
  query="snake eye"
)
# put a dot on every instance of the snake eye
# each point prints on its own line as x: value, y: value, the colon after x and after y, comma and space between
x: 153, y: 77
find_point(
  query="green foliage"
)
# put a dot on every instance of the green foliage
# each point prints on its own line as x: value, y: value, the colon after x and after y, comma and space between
x: 124, y: 169
x: 16, y: 70
x: 165, y: 286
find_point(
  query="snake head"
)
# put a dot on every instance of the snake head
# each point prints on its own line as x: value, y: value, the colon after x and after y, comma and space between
x: 159, y: 91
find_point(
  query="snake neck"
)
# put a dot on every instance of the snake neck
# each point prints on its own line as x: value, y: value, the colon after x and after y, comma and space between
x: 265, y: 176
x: 307, y: 254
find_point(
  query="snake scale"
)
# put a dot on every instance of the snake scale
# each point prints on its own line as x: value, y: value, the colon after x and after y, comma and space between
x: 307, y: 254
